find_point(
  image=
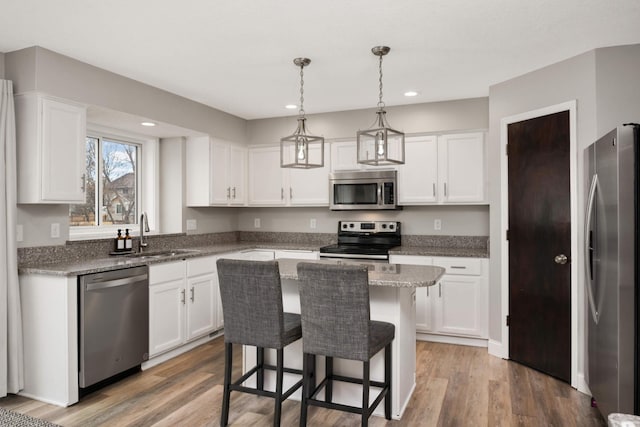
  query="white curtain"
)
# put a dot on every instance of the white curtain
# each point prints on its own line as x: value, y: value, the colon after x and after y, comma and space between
x: 11, y: 368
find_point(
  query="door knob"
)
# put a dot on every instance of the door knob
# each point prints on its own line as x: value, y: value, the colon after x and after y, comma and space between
x: 561, y: 259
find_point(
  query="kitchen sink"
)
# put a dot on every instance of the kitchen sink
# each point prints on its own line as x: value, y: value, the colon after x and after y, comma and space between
x: 161, y: 254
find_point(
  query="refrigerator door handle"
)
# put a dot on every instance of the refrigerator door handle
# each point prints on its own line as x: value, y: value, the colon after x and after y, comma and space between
x: 588, y: 247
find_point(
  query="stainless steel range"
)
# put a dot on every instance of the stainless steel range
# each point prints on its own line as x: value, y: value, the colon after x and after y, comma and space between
x: 364, y: 240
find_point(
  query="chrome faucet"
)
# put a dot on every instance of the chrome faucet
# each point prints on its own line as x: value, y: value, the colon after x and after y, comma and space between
x: 144, y: 226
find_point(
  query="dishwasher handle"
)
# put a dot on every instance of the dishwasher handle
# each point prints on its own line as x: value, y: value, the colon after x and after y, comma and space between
x: 115, y: 283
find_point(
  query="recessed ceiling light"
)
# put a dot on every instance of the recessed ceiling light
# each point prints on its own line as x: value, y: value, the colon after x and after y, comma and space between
x: 150, y: 124
x: 291, y: 106
x: 411, y: 93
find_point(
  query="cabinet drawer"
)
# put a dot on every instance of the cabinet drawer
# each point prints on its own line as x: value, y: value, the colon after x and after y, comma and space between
x: 166, y: 272
x: 460, y: 266
x: 410, y: 259
x: 199, y: 266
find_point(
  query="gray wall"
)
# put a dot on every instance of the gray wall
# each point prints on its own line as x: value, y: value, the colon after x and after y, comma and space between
x: 42, y: 70
x: 447, y: 116
x: 1, y: 65
x: 456, y: 220
x: 604, y: 84
x: 39, y: 69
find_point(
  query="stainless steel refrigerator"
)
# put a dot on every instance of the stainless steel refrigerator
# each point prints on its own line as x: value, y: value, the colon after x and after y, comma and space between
x: 611, y: 277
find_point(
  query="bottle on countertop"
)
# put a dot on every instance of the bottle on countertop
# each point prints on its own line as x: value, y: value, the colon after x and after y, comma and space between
x: 120, y: 241
x: 128, y: 243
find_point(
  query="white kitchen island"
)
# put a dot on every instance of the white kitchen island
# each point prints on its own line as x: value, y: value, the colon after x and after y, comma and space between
x: 392, y: 296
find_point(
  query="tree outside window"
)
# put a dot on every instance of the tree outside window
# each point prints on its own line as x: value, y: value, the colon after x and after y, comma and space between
x: 112, y: 198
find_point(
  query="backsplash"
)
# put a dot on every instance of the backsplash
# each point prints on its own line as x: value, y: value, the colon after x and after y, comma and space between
x: 79, y: 250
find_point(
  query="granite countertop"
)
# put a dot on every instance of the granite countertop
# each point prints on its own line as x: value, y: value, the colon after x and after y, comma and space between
x: 149, y: 257
x: 381, y: 273
x: 95, y: 265
x: 440, y: 251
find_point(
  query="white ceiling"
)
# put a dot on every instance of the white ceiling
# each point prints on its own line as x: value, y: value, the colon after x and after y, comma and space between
x: 236, y: 55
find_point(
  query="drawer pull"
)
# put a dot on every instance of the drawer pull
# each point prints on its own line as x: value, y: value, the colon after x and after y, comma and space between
x: 458, y: 267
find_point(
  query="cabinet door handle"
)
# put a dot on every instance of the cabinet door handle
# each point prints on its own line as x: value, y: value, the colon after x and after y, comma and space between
x: 428, y: 290
x: 290, y: 193
x: 83, y: 182
x: 459, y: 267
x: 193, y: 294
x: 281, y: 193
x: 234, y: 193
x: 228, y: 193
x: 182, y: 299
x: 434, y: 189
x: 439, y: 290
x: 445, y: 189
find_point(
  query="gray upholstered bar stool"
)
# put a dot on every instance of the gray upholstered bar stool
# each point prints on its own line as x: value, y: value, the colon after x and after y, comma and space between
x: 336, y: 322
x: 253, y: 315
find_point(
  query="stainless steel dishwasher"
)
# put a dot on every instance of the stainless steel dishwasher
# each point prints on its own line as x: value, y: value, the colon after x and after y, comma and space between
x: 113, y: 323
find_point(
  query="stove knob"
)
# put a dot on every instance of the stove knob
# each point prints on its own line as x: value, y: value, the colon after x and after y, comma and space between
x: 384, y: 226
x: 344, y: 226
x: 351, y: 225
x: 392, y: 226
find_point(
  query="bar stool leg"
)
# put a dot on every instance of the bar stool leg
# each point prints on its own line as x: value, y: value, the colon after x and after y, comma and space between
x: 260, y: 364
x: 387, y: 380
x: 279, y: 379
x: 306, y: 387
x: 328, y: 390
x: 365, y: 394
x: 226, y: 393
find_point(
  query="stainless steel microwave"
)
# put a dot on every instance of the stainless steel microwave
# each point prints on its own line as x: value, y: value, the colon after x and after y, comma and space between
x: 363, y: 190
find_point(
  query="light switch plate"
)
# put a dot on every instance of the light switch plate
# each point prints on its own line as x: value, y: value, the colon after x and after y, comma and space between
x: 437, y: 224
x: 192, y: 224
x: 256, y: 223
x: 312, y: 223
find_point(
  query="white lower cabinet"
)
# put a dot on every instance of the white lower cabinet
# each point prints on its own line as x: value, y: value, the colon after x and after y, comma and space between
x: 458, y: 305
x: 183, y: 302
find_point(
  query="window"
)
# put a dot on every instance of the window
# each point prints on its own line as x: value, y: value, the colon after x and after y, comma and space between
x: 111, y: 184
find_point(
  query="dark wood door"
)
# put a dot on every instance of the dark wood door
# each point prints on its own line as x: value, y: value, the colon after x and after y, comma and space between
x: 540, y: 231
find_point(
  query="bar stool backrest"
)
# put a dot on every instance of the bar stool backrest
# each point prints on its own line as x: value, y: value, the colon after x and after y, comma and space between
x: 251, y: 295
x: 335, y: 311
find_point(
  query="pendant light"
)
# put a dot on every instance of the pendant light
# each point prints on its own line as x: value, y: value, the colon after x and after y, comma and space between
x: 381, y: 145
x: 301, y: 150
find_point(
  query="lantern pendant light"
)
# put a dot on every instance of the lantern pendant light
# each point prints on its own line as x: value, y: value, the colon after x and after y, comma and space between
x: 380, y: 145
x: 301, y: 150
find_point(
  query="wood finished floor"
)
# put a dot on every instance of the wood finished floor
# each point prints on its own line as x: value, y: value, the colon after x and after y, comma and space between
x: 456, y: 386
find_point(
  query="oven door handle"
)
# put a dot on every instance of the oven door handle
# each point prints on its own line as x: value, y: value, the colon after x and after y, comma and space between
x: 354, y: 256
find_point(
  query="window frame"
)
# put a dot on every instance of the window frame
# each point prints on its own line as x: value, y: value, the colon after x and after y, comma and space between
x: 147, y: 186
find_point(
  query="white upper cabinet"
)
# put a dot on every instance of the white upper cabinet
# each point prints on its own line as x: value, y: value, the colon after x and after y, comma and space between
x: 51, y: 136
x: 418, y: 177
x: 462, y: 171
x: 271, y: 185
x: 444, y: 169
x: 215, y: 172
x: 344, y: 156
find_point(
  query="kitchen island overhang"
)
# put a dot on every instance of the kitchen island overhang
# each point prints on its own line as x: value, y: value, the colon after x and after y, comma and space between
x: 392, y: 298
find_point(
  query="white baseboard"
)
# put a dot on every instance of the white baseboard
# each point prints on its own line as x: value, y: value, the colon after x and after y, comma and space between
x: 448, y: 339
x: 583, y: 387
x: 161, y: 358
x: 496, y: 348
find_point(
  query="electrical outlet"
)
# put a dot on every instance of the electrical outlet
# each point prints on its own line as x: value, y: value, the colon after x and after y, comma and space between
x: 19, y: 233
x: 312, y: 223
x: 55, y: 230
x: 437, y: 224
x: 256, y: 223
x: 192, y: 224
